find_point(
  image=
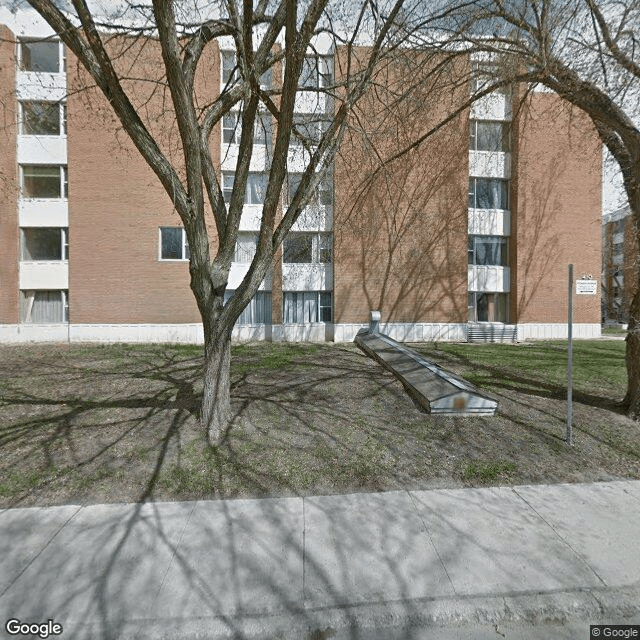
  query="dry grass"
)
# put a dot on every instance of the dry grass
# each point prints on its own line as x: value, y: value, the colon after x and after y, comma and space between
x: 91, y: 424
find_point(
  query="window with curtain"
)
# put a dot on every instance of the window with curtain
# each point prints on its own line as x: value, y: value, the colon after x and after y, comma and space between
x: 317, y: 72
x: 258, y: 311
x: 44, y: 307
x: 310, y: 128
x: 488, y: 250
x: 488, y: 193
x: 488, y: 136
x: 255, y: 191
x: 488, y: 307
x: 303, y: 307
x: 323, y: 194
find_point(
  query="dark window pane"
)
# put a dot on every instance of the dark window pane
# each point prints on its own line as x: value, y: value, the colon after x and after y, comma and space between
x: 42, y: 244
x: 41, y: 181
x: 171, y: 243
x: 297, y: 248
x: 40, y: 56
x: 41, y: 118
x: 489, y: 193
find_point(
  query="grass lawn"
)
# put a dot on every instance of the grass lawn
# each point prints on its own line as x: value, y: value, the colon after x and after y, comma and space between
x: 117, y: 423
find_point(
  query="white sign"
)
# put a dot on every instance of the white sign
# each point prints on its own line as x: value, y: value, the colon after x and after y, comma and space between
x: 587, y: 287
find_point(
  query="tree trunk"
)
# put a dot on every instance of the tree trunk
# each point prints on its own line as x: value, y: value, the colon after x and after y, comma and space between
x: 216, y: 399
x: 632, y: 398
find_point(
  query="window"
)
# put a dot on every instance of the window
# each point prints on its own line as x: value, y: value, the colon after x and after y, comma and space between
x: 618, y: 226
x: 41, y: 55
x: 43, y: 119
x: 258, y: 311
x: 43, y: 307
x: 230, y: 71
x: 246, y: 244
x: 323, y: 194
x: 488, y: 193
x: 488, y: 307
x: 301, y: 307
x: 488, y: 136
x: 255, y: 190
x: 317, y: 72
x: 488, y: 250
x: 173, y: 244
x: 44, y: 181
x: 262, y: 130
x: 45, y: 243
x: 306, y: 248
x: 310, y: 129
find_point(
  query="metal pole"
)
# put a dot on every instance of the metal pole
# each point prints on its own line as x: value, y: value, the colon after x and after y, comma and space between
x: 570, y: 361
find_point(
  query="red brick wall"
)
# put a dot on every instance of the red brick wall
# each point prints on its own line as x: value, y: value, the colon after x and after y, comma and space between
x: 557, y: 211
x: 400, y: 242
x: 9, y: 238
x: 117, y: 204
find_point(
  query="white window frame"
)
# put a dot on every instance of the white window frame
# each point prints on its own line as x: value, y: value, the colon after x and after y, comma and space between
x: 505, y: 136
x: 259, y: 139
x: 473, y: 192
x: 64, y: 245
x: 321, y: 73
x: 472, y: 251
x: 30, y: 294
x: 321, y: 124
x: 266, y: 79
x: 64, y: 182
x: 62, y: 119
x: 184, y: 246
x: 227, y: 186
x: 317, y: 246
x: 472, y: 309
x: 297, y: 304
x: 62, y: 58
x: 322, y: 195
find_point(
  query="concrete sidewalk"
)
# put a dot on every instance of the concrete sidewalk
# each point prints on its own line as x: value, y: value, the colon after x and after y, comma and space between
x: 327, y: 566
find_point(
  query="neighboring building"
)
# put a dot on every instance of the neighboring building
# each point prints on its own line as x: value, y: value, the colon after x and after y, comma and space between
x: 470, y: 236
x: 620, y: 260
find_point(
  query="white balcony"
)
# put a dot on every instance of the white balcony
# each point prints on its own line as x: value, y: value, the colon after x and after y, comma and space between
x: 307, y: 277
x: 315, y: 218
x: 32, y: 85
x: 42, y: 149
x: 260, y: 158
x: 313, y: 102
x: 239, y: 271
x: 495, y: 106
x: 489, y: 222
x: 251, y: 217
x: 489, y: 278
x: 44, y: 274
x: 489, y: 164
x: 49, y: 212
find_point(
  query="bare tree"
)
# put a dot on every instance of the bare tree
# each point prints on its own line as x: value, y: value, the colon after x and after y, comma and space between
x: 266, y: 35
x: 587, y: 52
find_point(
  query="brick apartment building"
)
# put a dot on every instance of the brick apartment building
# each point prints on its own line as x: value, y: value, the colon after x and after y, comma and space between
x: 620, y: 264
x: 468, y: 237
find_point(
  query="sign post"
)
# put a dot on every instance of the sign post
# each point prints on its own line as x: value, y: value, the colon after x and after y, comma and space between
x: 570, y: 361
